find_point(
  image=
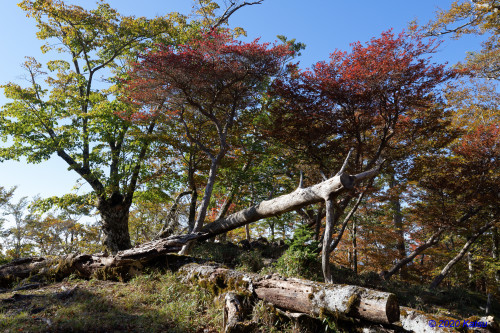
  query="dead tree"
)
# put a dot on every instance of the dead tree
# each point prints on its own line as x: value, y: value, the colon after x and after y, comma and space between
x: 128, y: 261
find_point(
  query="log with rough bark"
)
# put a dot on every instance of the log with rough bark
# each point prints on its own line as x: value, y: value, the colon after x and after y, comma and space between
x: 234, y: 315
x: 297, y: 295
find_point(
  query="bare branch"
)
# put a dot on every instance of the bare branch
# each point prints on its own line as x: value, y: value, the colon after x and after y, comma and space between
x: 345, y: 162
x: 231, y: 9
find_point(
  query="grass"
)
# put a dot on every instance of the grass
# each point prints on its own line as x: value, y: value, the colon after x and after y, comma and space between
x: 149, y: 303
x: 159, y: 302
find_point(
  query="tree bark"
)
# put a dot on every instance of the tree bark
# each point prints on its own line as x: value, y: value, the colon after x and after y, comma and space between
x: 233, y: 312
x: 439, y: 278
x: 114, y: 213
x: 327, y: 239
x: 297, y: 295
x: 299, y: 198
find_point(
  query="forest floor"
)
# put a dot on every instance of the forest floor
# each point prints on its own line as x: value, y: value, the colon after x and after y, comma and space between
x: 159, y: 302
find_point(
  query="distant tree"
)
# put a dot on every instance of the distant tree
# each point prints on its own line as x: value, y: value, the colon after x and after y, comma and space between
x: 464, y: 184
x: 18, y: 233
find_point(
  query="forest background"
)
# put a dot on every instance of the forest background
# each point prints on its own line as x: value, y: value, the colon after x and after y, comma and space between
x: 416, y: 200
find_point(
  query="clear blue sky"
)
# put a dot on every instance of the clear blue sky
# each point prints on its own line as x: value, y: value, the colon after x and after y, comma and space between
x: 323, y: 25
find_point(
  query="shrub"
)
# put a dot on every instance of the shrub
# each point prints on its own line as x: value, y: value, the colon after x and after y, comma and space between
x: 299, y: 263
x: 251, y: 261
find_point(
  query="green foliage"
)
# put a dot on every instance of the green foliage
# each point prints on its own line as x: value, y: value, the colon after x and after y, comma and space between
x: 299, y: 263
x: 251, y: 261
x: 303, y: 240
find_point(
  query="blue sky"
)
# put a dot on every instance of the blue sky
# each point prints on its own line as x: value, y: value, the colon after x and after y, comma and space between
x: 323, y: 25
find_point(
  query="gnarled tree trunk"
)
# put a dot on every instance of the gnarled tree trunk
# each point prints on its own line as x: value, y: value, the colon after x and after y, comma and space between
x: 114, y: 213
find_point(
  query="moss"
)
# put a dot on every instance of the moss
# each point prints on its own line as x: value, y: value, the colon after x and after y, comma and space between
x: 352, y: 303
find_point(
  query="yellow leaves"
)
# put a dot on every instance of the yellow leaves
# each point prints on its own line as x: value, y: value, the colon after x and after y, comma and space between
x: 474, y: 103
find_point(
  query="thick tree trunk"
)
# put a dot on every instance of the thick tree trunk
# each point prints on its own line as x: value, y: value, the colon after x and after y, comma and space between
x: 439, y: 278
x: 433, y: 240
x: 114, y: 213
x: 314, y: 298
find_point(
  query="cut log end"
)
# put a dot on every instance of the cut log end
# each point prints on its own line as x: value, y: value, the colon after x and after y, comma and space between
x: 347, y: 181
x: 392, y: 309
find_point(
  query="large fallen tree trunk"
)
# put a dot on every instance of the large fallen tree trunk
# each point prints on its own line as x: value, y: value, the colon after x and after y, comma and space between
x: 297, y: 295
x: 127, y: 261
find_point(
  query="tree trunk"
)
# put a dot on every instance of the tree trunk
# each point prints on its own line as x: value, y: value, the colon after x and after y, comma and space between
x: 398, y: 222
x: 439, y: 278
x: 337, y: 240
x: 205, y: 201
x: 496, y: 254
x: 297, y: 295
x: 354, y: 248
x: 114, y: 213
x: 433, y: 240
x: 327, y: 239
x: 192, y: 209
x: 299, y: 198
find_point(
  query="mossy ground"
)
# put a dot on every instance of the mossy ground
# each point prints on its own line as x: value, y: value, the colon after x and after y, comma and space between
x: 159, y: 302
x: 149, y: 303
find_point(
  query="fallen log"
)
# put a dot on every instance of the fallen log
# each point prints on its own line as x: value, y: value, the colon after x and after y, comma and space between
x: 129, y: 262
x: 234, y: 315
x: 297, y: 295
x: 100, y: 266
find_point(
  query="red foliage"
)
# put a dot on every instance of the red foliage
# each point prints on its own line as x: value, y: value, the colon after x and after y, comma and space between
x: 213, y: 74
x: 380, y: 91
